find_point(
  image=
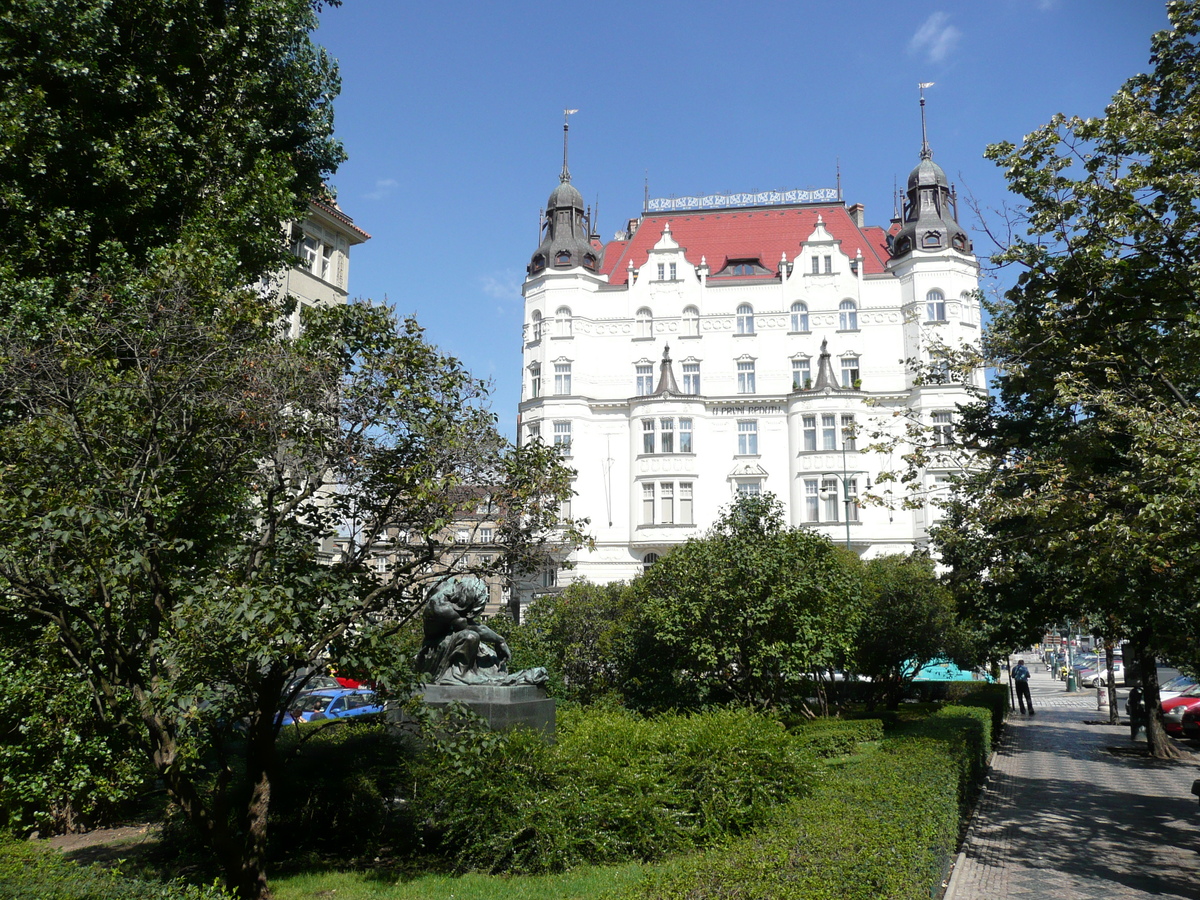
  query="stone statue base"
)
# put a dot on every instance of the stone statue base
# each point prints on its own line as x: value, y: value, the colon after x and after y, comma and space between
x: 517, y: 706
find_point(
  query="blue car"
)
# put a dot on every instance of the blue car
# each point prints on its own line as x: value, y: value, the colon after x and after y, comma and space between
x: 314, y: 706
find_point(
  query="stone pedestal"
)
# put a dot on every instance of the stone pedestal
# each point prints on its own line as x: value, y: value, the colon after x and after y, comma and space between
x: 524, y: 706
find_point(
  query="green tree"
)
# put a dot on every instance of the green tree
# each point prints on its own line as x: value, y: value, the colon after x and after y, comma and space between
x: 172, y: 467
x: 581, y: 637
x: 908, y: 622
x: 743, y: 614
x: 1088, y: 441
x: 127, y: 127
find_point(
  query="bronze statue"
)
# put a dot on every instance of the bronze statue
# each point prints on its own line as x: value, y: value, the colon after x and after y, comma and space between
x: 460, y: 650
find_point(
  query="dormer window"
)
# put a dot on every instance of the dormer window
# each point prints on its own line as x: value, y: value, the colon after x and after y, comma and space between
x: 563, y: 258
x: 742, y: 267
x: 959, y: 242
x: 539, y: 263
x: 589, y: 261
x: 931, y: 241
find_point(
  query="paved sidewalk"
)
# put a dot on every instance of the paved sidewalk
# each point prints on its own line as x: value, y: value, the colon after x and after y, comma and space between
x: 1062, y: 818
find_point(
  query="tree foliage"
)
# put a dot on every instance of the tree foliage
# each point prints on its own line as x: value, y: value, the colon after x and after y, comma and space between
x: 744, y: 612
x: 1090, y: 476
x: 130, y: 126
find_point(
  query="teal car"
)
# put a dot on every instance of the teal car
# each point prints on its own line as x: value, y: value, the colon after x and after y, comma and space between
x: 945, y: 670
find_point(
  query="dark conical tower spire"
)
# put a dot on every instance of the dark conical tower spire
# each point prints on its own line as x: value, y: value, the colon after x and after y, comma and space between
x: 566, y: 228
x: 926, y: 153
x: 565, y: 177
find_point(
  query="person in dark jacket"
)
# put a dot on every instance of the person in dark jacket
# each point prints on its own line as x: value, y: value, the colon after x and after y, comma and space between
x: 1020, y: 675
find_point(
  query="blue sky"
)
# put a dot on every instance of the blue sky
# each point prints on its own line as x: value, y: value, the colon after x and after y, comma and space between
x: 451, y: 113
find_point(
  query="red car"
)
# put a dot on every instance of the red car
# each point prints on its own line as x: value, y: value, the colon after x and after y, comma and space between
x: 1173, y: 710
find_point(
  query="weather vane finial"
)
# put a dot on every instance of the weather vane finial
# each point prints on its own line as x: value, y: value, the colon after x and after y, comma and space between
x: 567, y: 113
x: 926, y: 153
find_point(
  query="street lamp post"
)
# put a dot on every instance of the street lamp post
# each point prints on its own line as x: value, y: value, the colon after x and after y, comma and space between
x: 845, y: 479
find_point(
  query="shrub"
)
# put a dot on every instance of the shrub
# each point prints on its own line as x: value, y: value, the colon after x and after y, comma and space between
x: 834, y: 737
x: 882, y: 826
x: 29, y: 872
x: 613, y: 788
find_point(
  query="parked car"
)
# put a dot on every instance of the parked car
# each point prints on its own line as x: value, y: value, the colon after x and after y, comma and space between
x: 1171, y: 689
x: 326, y: 704
x: 1174, y: 709
x: 1091, y: 676
x: 1190, y: 722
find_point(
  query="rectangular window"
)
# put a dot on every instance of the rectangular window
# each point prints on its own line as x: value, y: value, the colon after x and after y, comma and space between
x: 685, y: 435
x: 666, y: 435
x: 816, y: 265
x: 672, y: 271
x: 849, y: 433
x: 810, y: 432
x: 943, y: 429
x: 534, y: 430
x: 745, y: 372
x: 562, y: 378
x: 535, y: 380
x: 645, y: 379
x: 828, y: 265
x: 829, y: 490
x: 812, y: 500
x: 486, y: 535
x: 647, y: 435
x: 462, y: 536
x: 564, y: 510
x: 852, y: 500
x: 685, y: 503
x: 749, y: 488
x: 662, y: 272
x: 648, y: 503
x: 849, y: 371
x: 691, y: 378
x: 747, y: 438
x: 666, y: 502
x: 939, y: 496
x: 327, y: 262
x: 828, y: 432
x: 562, y: 437
x: 801, y: 374
x: 939, y: 368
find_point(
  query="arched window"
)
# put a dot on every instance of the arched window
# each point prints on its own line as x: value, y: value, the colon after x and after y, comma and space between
x: 691, y: 322
x: 644, y: 323
x: 848, y: 316
x: 562, y: 321
x: 935, y: 306
x: 745, y: 319
x: 799, y: 316
x: 589, y: 261
x: 535, y: 322
x: 539, y: 263
x: 563, y: 258
x: 648, y: 560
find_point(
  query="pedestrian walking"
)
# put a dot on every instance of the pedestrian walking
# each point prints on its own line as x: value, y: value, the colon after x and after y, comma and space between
x: 1020, y: 676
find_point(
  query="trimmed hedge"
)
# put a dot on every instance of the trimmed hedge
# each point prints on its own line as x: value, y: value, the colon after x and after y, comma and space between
x: 884, y: 826
x: 30, y: 872
x: 827, y: 738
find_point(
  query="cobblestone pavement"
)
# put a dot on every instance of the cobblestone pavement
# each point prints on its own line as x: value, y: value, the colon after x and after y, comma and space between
x: 1064, y: 818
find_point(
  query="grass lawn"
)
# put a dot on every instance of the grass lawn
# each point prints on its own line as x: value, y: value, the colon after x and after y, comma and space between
x: 583, y: 883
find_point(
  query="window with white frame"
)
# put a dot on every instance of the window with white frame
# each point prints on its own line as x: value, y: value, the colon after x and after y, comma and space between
x: 564, y: 509
x: 648, y: 560
x: 939, y: 367
x: 666, y: 435
x: 671, y: 270
x: 648, y: 436
x: 645, y: 379
x: 643, y: 323
x: 691, y: 378
x: 745, y: 376
x: 462, y: 536
x: 748, y: 438
x: 828, y: 265
x: 809, y: 431
x: 812, y: 500
x: 686, y: 514
x: 801, y: 373
x: 829, y: 491
x: 487, y: 534
x: 562, y: 378
x: 535, y: 321
x: 647, y: 502
x: 562, y: 321
x: 799, y: 316
x: 939, y: 495
x: 935, y: 306
x: 852, y: 500
x: 828, y: 431
x: 662, y: 271
x: 535, y: 380
x: 685, y: 436
x: 849, y: 371
x: 943, y: 428
x: 745, y: 319
x: 816, y: 265
x: 848, y: 316
x: 849, y: 432
x: 749, y: 488
x: 318, y: 257
x: 533, y: 430
x: 666, y: 502
x: 691, y: 322
x: 562, y: 437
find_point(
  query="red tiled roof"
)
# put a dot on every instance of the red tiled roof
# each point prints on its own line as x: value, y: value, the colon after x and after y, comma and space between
x: 723, y: 234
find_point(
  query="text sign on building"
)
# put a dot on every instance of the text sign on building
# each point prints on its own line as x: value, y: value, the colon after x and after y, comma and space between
x: 762, y: 410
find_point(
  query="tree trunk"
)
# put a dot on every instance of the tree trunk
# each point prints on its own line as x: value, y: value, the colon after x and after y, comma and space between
x: 1161, y: 745
x: 1114, y: 714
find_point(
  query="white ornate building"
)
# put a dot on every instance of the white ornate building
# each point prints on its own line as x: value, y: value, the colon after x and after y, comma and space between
x: 742, y: 344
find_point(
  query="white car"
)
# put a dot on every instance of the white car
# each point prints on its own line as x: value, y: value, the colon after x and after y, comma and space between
x: 1100, y: 676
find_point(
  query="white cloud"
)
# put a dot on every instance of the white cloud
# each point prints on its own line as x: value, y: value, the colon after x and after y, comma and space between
x: 504, y: 285
x: 383, y: 187
x: 935, y: 39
